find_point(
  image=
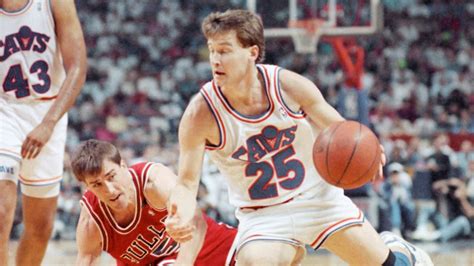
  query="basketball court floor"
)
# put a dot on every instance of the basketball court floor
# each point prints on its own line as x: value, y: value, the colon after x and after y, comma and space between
x: 457, y: 253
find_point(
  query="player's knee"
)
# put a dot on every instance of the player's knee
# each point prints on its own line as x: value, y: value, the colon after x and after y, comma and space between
x: 40, y: 231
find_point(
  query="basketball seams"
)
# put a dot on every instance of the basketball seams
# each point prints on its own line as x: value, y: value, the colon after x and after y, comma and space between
x: 359, y: 137
x: 377, y: 150
x: 327, y: 150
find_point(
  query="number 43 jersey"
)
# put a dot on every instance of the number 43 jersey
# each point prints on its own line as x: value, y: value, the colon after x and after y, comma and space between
x: 30, y: 61
x: 267, y: 158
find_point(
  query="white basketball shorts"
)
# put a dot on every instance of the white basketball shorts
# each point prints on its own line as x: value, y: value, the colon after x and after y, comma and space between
x: 309, y: 218
x: 16, y: 122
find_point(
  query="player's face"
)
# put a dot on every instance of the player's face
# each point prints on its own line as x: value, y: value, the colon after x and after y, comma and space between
x: 230, y: 61
x: 114, y: 186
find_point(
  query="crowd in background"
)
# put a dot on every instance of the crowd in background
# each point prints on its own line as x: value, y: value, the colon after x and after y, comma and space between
x: 148, y: 58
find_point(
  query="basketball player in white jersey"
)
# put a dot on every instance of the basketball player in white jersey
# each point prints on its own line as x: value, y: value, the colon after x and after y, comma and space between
x: 256, y: 123
x: 42, y: 70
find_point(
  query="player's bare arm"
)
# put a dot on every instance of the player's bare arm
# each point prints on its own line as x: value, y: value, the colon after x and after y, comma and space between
x: 88, y: 240
x: 190, y: 249
x: 197, y: 127
x: 306, y: 96
x: 161, y: 180
x: 73, y: 50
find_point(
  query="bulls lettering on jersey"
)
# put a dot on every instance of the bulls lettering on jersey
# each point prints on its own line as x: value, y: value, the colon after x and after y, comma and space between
x: 30, y: 59
x: 145, y: 240
x: 267, y: 158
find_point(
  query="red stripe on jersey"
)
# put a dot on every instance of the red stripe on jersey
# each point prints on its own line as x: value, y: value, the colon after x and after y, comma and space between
x: 331, y: 229
x: 47, y: 98
x: 97, y: 220
x: 220, y: 123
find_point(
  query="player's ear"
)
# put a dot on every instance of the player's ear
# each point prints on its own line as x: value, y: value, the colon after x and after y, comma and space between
x: 254, y: 51
x: 123, y: 164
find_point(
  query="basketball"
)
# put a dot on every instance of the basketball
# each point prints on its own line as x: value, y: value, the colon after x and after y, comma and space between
x: 347, y: 154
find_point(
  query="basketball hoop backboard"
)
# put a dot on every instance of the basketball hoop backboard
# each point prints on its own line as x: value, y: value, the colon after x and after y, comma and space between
x: 306, y: 23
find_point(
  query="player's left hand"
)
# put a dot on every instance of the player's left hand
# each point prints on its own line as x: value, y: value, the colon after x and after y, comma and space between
x: 383, y: 160
x: 36, y: 140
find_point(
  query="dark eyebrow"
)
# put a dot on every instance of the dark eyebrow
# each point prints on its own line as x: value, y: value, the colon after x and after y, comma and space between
x: 109, y: 173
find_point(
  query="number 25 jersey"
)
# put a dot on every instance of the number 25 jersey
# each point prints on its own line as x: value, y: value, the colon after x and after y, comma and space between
x: 30, y: 61
x: 267, y: 158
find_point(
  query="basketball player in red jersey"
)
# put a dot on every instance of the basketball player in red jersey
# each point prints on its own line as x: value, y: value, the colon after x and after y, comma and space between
x: 42, y: 70
x: 257, y: 122
x: 124, y: 213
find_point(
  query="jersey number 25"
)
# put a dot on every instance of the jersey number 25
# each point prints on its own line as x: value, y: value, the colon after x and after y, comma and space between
x: 262, y: 188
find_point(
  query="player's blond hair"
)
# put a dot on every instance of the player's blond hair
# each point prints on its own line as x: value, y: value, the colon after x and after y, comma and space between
x: 89, y: 159
x: 247, y: 25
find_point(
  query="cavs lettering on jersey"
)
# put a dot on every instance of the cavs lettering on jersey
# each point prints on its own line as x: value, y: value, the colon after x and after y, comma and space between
x: 145, y: 240
x: 266, y: 158
x: 30, y: 59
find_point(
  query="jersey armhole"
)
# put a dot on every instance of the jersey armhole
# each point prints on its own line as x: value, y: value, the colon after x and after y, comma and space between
x: 145, y: 180
x: 278, y: 88
x: 49, y: 7
x: 103, y: 233
x: 218, y: 119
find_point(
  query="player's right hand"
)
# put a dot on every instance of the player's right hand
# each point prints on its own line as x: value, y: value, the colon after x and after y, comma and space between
x: 175, y: 228
x: 36, y: 140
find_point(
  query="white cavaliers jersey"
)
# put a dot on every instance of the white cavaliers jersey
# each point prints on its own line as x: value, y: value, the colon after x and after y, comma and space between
x: 30, y: 61
x: 267, y: 158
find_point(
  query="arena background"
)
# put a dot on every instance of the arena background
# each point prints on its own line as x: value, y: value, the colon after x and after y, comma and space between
x: 414, y: 89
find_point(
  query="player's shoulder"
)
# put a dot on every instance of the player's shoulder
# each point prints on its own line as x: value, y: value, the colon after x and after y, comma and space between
x: 198, y: 112
x: 138, y: 167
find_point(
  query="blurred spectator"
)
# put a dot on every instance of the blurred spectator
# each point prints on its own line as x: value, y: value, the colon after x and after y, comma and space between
x: 398, y: 187
x: 438, y: 163
x: 461, y: 222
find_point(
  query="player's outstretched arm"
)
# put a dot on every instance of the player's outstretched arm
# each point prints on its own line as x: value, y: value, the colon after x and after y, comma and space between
x: 160, y: 181
x: 193, y: 133
x: 88, y: 240
x: 73, y: 50
x: 190, y: 250
x: 304, y: 95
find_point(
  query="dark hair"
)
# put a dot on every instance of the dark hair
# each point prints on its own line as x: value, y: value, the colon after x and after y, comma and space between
x: 247, y: 25
x: 89, y: 159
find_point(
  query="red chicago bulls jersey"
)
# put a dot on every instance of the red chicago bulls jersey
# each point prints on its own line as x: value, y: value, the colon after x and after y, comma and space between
x: 144, y: 240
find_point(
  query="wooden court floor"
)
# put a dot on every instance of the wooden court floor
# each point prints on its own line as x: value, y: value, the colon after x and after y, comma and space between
x: 458, y: 253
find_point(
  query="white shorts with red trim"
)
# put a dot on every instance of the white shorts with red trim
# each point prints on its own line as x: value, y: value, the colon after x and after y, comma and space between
x: 16, y: 122
x: 310, y: 218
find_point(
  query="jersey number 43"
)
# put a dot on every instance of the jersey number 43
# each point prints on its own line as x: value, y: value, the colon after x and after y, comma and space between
x: 15, y: 81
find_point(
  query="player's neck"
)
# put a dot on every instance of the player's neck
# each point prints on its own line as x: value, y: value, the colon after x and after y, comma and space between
x: 125, y: 216
x: 245, y: 89
x: 13, y: 5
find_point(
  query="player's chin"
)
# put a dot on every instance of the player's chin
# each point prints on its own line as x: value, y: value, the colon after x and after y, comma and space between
x: 219, y: 79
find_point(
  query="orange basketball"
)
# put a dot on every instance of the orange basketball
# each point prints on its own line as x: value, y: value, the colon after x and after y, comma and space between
x: 347, y: 154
